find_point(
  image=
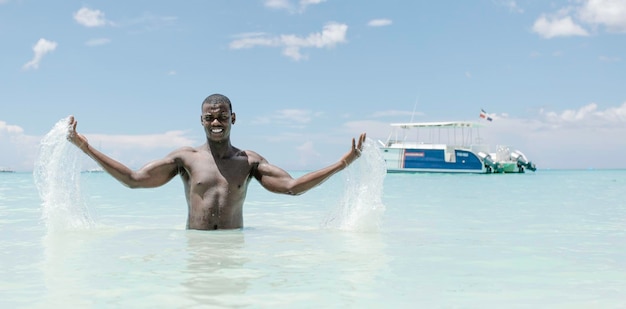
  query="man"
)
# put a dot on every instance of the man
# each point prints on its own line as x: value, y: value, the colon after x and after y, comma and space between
x: 216, y: 175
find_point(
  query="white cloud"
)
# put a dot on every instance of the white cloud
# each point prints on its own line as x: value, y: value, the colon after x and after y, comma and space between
x: 609, y: 59
x: 310, y: 2
x: 289, y: 117
x: 278, y: 4
x: 167, y: 140
x: 135, y: 151
x: 616, y: 115
x: 374, y: 129
x: 300, y: 7
x: 395, y: 113
x: 568, y: 21
x: 307, y: 153
x: 148, y: 22
x: 379, y: 22
x: 511, y: 5
x: 18, y: 150
x: 550, y: 27
x: 98, y: 42
x: 90, y: 18
x: 41, y: 48
x: 252, y: 39
x: 331, y: 35
x: 10, y: 129
x: 609, y: 13
x: 295, y: 115
x: 588, y: 116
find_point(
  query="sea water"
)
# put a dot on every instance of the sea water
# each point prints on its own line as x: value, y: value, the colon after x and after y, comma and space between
x: 548, y: 239
x: 57, y: 177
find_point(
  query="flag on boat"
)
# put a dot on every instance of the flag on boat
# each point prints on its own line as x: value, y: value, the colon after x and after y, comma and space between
x: 484, y: 115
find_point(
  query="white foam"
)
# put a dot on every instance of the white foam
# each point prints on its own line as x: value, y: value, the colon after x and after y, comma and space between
x: 57, y: 176
x: 361, y: 207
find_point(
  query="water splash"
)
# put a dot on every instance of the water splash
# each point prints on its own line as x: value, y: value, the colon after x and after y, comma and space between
x: 57, y: 177
x: 361, y: 207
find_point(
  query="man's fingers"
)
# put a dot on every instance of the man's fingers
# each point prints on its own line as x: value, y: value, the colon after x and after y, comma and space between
x: 72, y: 128
x: 361, y: 140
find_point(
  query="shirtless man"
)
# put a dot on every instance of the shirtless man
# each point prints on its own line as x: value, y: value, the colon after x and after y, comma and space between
x: 216, y: 175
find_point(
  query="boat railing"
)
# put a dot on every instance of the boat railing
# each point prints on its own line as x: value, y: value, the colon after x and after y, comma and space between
x: 503, y: 153
x: 476, y: 148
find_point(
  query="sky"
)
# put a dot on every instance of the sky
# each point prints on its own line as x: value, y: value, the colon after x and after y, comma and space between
x: 307, y: 76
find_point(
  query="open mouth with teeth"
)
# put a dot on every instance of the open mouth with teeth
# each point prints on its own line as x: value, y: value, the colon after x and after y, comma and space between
x: 217, y: 130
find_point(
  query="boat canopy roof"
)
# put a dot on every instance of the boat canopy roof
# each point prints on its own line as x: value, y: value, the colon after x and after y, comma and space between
x: 441, y: 124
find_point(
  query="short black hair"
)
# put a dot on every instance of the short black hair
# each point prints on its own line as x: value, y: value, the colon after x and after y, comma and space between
x: 218, y: 99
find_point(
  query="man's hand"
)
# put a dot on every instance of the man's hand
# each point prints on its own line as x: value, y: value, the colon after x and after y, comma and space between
x: 77, y: 139
x: 355, y: 152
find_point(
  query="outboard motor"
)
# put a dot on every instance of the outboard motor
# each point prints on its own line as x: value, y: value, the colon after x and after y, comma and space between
x: 522, y: 162
x: 490, y: 163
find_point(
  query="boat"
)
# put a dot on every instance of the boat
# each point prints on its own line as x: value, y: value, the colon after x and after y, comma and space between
x: 448, y: 147
x: 6, y: 170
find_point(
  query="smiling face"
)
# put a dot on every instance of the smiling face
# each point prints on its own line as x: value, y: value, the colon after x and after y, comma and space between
x: 217, y: 120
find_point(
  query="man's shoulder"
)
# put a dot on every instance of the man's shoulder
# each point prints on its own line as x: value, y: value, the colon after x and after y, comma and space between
x: 186, y: 149
x: 183, y: 152
x: 253, y: 157
x: 250, y: 154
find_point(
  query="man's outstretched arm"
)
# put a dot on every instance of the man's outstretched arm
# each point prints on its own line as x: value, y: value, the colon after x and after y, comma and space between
x: 153, y: 174
x: 277, y: 180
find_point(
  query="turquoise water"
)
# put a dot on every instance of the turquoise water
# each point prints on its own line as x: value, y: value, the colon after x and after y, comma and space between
x: 363, y: 239
x: 551, y: 239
